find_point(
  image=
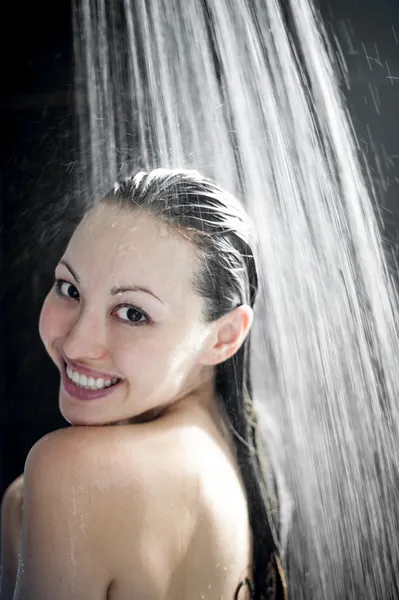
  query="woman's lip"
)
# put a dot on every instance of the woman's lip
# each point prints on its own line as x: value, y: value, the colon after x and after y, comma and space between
x: 89, y: 372
x: 79, y: 393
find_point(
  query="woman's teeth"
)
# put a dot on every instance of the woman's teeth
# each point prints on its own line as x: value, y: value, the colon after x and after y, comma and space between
x: 89, y: 383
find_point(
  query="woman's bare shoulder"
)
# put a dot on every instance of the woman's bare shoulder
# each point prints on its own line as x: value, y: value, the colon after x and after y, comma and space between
x: 112, y: 458
x: 150, y: 460
x: 126, y: 491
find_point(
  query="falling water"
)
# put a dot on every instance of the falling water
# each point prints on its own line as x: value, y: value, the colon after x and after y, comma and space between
x: 245, y: 91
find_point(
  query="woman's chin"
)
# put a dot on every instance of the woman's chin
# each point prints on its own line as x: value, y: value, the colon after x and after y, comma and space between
x: 88, y: 407
x: 80, y: 421
x: 100, y: 411
x: 75, y: 416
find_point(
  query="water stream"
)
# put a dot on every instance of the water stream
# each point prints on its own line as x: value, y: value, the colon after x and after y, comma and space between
x: 246, y: 91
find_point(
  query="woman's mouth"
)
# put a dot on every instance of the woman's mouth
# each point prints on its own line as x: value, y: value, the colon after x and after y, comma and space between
x: 82, y: 387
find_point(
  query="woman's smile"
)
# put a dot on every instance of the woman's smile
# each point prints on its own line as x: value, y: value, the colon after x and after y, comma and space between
x: 81, y: 387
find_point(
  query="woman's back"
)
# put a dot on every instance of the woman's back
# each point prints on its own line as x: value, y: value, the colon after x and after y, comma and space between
x: 154, y: 510
x: 205, y: 514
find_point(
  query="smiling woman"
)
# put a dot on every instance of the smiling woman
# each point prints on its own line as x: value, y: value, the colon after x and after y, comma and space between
x: 102, y: 321
x: 149, y: 325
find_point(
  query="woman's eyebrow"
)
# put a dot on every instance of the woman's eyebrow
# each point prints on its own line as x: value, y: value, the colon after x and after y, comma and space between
x: 134, y: 288
x: 68, y: 266
x: 114, y: 290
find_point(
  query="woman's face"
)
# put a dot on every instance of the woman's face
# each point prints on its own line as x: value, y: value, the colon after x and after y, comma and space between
x: 123, y: 320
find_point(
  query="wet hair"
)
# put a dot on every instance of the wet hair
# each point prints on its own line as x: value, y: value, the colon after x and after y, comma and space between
x: 216, y: 222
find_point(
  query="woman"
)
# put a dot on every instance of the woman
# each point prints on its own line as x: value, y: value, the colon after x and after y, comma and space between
x: 149, y: 325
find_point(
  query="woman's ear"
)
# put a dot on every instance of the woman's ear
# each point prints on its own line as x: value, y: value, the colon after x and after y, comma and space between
x: 228, y: 335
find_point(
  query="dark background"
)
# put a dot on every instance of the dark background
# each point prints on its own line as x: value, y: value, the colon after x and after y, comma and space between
x: 37, y: 163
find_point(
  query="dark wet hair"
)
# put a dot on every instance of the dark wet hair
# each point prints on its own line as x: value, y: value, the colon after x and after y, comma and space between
x: 218, y: 225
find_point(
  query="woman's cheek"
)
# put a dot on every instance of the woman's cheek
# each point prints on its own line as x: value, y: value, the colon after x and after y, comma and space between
x: 44, y: 320
x: 53, y: 323
x: 139, y: 355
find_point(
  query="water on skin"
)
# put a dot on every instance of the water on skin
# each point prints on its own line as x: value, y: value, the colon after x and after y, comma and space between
x: 218, y: 86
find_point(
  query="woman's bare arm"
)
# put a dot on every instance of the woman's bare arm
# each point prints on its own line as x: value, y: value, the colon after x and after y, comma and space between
x: 11, y: 524
x: 63, y: 542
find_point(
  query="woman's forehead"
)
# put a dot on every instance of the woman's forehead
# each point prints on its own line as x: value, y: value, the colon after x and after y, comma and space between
x: 119, y: 241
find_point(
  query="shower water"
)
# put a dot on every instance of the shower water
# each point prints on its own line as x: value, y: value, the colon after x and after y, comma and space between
x: 246, y: 92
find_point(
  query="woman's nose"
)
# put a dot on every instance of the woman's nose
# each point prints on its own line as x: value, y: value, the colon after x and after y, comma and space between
x: 86, y: 339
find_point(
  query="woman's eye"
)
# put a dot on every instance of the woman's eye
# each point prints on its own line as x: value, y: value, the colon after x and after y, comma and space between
x: 66, y: 289
x: 126, y: 312
x: 131, y: 314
